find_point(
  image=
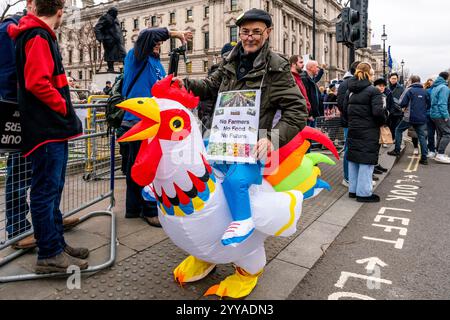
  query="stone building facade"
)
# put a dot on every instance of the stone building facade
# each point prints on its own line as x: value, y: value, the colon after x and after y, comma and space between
x: 213, y: 24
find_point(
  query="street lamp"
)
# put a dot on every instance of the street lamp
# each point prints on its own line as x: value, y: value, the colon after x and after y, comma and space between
x: 403, y: 75
x: 314, y: 30
x: 384, y: 38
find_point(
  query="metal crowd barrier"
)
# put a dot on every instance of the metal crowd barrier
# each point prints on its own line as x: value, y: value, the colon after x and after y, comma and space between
x: 93, y: 153
x: 331, y: 125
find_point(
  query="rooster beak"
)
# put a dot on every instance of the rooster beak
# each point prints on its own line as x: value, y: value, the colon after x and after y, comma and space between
x: 148, y: 111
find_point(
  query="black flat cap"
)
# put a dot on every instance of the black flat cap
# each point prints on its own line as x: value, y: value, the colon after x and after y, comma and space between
x: 380, y: 81
x: 255, y: 15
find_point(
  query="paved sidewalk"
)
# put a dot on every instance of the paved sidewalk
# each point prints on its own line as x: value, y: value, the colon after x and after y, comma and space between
x: 146, y: 257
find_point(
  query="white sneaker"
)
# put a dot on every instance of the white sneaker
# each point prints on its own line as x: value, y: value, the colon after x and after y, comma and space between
x: 442, y: 158
x: 385, y: 146
x: 416, y: 152
x: 237, y: 232
x: 431, y: 155
x: 374, y: 183
x: 345, y: 183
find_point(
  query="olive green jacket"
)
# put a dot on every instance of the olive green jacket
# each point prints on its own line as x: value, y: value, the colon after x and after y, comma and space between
x: 279, y: 91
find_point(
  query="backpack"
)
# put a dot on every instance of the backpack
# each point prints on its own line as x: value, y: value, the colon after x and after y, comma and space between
x: 114, y: 114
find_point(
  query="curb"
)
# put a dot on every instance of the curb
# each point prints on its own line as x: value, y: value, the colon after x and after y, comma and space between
x: 282, y: 274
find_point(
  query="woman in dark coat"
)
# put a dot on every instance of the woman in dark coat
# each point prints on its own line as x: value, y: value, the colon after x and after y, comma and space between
x: 364, y: 111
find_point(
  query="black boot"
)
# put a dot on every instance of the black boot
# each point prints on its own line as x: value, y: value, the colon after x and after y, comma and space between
x: 372, y: 199
x: 380, y: 168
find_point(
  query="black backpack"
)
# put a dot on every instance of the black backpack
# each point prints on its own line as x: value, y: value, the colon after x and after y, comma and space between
x: 114, y: 114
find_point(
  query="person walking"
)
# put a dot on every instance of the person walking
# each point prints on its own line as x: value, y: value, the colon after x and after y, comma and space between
x: 415, y: 101
x: 440, y: 115
x: 48, y: 121
x: 142, y: 70
x: 431, y: 127
x: 395, y: 111
x: 341, y: 94
x: 364, y: 112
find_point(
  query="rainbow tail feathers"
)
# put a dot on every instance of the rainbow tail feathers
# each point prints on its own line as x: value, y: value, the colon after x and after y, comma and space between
x: 284, y: 161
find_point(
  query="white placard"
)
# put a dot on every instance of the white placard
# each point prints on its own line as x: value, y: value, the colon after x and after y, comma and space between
x: 234, y: 130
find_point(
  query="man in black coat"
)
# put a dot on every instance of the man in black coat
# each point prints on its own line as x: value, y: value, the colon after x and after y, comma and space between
x: 342, y: 91
x: 108, y: 31
x: 395, y: 111
x: 310, y: 78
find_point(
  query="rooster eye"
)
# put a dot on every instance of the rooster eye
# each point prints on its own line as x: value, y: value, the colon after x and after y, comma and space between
x: 177, y: 124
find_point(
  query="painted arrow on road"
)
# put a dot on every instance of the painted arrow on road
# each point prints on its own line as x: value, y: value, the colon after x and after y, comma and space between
x: 371, y: 263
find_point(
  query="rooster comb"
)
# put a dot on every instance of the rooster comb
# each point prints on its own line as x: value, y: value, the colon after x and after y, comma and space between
x: 165, y: 89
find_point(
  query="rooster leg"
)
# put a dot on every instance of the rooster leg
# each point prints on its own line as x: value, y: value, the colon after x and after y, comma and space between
x: 192, y: 269
x: 243, y: 281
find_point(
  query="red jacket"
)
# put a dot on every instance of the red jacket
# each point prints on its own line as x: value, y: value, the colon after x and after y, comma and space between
x: 302, y: 88
x: 47, y: 114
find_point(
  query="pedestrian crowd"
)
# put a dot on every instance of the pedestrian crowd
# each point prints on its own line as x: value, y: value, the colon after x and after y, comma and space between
x: 290, y: 100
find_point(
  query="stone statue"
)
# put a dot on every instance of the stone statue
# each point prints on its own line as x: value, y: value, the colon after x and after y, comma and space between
x: 108, y: 32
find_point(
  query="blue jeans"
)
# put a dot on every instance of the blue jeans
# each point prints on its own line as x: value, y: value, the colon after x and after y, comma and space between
x: 345, y: 164
x: 135, y: 203
x: 238, y: 179
x: 49, y: 164
x: 360, y: 179
x: 431, y: 131
x: 18, y: 181
x: 420, y: 130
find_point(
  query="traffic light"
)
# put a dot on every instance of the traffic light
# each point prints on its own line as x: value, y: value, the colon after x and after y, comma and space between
x: 351, y: 28
x: 346, y: 29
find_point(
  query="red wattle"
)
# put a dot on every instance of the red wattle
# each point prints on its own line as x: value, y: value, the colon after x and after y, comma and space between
x: 144, y: 169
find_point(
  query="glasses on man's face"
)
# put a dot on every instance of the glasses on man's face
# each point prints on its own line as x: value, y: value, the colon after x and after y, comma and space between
x: 257, y: 33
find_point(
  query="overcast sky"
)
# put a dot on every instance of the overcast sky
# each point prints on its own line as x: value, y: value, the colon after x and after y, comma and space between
x: 418, y: 32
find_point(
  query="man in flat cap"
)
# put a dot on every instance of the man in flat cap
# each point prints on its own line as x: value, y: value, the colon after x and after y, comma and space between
x: 251, y: 65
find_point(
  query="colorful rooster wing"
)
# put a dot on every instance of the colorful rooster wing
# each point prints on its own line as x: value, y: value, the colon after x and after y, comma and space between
x: 193, y: 211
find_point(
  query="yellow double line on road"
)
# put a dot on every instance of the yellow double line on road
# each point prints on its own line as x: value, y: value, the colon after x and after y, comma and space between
x: 413, y: 164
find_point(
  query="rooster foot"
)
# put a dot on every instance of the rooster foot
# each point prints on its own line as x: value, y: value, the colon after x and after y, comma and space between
x: 238, y: 285
x: 192, y: 269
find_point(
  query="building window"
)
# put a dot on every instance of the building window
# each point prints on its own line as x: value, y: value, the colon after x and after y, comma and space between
x: 70, y: 56
x: 293, y: 25
x: 146, y: 22
x: 206, y: 40
x: 81, y: 55
x: 122, y: 25
x: 189, y: 15
x: 284, y: 21
x: 136, y: 24
x: 153, y: 21
x: 267, y: 7
x: 205, y: 66
x: 80, y: 75
x: 233, y: 5
x: 285, y: 46
x: 233, y: 34
x: 173, y: 43
x: 69, y: 73
x: 190, y: 46
x: 172, y: 18
x: 206, y: 12
x: 293, y: 48
x: 189, y: 67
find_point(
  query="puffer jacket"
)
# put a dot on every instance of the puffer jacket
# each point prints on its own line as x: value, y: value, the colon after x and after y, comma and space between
x: 364, y: 112
x: 439, y: 99
x: 279, y: 91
